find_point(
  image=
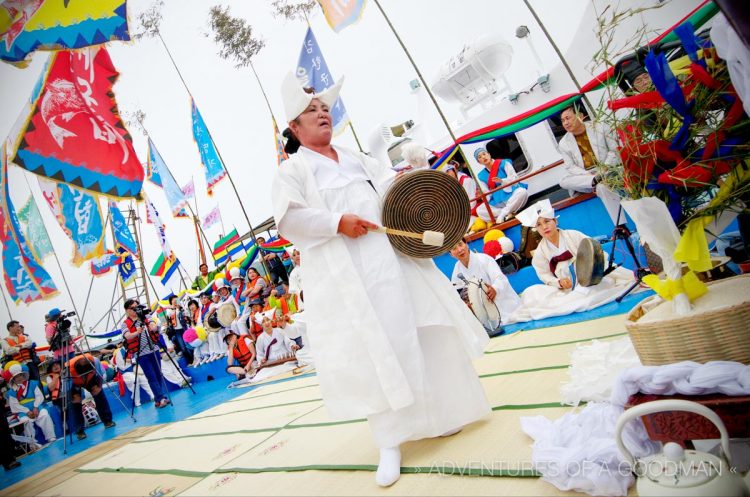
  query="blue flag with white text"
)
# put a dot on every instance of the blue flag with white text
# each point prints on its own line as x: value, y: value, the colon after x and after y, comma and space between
x: 312, y: 70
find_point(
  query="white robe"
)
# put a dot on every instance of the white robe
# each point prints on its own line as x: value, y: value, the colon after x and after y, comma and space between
x: 484, y: 267
x: 543, y: 301
x: 578, y: 179
x: 391, y: 336
x: 282, y: 348
x: 295, y: 286
x: 298, y: 329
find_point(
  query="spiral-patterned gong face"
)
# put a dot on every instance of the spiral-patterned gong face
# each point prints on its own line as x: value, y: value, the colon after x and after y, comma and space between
x: 422, y: 201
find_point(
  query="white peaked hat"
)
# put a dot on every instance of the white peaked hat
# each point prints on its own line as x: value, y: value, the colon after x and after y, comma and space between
x: 220, y: 283
x: 296, y: 100
x: 270, y: 314
x: 234, y: 273
x: 529, y: 216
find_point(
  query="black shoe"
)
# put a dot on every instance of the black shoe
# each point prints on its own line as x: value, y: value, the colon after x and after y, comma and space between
x: 12, y: 465
x: 81, y: 435
x: 109, y: 424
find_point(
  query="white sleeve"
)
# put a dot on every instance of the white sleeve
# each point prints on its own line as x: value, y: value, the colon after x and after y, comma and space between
x: 38, y: 397
x: 498, y: 280
x: 541, y: 266
x: 306, y: 225
x: 15, y: 406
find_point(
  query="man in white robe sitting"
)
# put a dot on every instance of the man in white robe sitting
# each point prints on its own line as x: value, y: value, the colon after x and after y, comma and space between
x: 483, y: 268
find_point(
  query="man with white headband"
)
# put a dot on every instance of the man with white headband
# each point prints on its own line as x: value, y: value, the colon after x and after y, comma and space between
x: 381, y: 323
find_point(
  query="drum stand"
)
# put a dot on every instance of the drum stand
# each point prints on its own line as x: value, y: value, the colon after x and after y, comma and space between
x: 621, y: 232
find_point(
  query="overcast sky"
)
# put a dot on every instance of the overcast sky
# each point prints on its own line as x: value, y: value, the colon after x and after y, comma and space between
x: 376, y: 92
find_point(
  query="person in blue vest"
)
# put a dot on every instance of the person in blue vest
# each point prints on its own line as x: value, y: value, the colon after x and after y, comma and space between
x: 26, y: 399
x: 498, y: 172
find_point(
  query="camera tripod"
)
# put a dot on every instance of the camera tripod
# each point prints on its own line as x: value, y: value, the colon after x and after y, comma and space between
x: 156, y: 347
x: 66, y: 382
x: 621, y: 232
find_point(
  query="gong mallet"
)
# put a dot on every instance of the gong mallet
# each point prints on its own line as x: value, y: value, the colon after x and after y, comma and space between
x: 434, y: 238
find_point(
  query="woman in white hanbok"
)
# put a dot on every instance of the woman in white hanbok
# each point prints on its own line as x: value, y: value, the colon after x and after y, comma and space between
x: 552, y: 261
x: 392, y: 340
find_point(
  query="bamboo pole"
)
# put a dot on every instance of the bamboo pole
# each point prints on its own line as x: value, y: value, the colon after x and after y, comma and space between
x: 210, y: 137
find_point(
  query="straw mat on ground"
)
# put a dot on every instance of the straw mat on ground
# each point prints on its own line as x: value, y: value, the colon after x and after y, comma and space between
x: 125, y: 485
x: 251, y: 404
x: 559, y: 334
x: 532, y: 359
x: 493, y: 446
x: 263, y: 420
x: 188, y: 456
x: 355, y: 483
x: 65, y: 469
x: 535, y: 387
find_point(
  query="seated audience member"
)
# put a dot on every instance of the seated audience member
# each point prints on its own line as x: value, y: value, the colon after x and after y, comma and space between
x: 125, y: 369
x: 240, y: 349
x: 25, y: 399
x: 85, y: 373
x: 238, y: 285
x: 255, y: 285
x: 272, y: 344
x: 222, y: 297
x: 479, y: 208
x: 256, y: 307
x: 295, y: 328
x: 583, y: 147
x: 496, y: 173
x: 557, y: 250
x: 205, y: 277
x: 19, y: 347
x: 483, y: 267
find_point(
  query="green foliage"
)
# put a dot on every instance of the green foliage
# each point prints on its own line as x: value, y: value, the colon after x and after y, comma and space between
x: 234, y: 37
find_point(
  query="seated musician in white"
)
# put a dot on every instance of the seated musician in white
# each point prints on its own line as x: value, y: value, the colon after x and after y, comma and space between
x: 272, y: 344
x: 225, y: 298
x: 473, y: 265
x: 553, y: 261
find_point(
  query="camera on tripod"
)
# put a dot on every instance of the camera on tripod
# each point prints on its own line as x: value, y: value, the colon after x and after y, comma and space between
x: 142, y: 312
x: 62, y: 331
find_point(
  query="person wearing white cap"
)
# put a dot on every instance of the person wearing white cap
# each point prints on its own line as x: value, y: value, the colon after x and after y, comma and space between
x: 478, y: 207
x: 381, y: 323
x: 552, y: 261
x: 272, y: 344
x: 26, y: 399
x: 224, y: 298
x: 238, y: 285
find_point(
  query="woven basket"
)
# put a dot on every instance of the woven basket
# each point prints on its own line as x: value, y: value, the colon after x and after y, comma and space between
x: 722, y: 334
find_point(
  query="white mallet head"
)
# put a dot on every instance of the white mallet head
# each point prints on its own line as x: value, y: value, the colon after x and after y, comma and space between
x: 434, y: 238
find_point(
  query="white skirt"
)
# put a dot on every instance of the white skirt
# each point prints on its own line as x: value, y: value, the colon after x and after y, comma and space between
x: 449, y: 397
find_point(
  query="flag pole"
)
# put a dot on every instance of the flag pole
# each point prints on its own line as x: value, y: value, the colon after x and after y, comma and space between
x: 196, y: 219
x: 226, y: 169
x: 7, y: 307
x: 62, y: 273
x: 425, y: 85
